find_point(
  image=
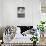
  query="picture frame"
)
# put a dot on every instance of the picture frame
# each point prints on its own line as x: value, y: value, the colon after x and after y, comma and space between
x: 21, y: 12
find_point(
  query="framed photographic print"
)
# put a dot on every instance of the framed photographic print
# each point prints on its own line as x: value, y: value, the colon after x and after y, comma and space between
x: 21, y: 12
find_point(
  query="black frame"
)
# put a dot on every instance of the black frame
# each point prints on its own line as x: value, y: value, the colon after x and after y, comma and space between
x: 21, y: 12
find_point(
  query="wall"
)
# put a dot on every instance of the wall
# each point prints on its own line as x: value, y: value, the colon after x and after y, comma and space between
x: 43, y: 10
x: 36, y: 7
x: 9, y: 12
x: 1, y: 17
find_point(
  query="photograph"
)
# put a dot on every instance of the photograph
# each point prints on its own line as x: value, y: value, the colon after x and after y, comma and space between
x: 21, y: 12
x: 22, y: 22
